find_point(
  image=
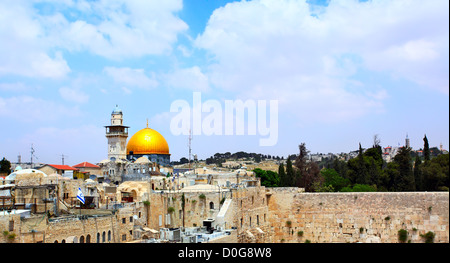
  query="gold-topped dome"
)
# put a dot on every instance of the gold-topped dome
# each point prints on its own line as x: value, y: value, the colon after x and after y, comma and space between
x: 147, y: 141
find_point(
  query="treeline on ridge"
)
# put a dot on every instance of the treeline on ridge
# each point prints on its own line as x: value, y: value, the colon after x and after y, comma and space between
x: 368, y: 172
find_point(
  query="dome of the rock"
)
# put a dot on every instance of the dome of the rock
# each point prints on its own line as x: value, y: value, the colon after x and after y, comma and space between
x: 150, y: 143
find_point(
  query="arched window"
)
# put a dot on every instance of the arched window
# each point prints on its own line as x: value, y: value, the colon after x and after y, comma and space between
x: 88, y: 239
x: 98, y: 237
x: 211, y: 205
x: 109, y: 235
x: 103, y: 237
x: 82, y: 239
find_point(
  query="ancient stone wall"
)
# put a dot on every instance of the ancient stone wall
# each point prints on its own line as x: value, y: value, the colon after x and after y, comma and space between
x: 357, y: 217
x: 117, y: 228
x: 251, y: 215
x: 196, y: 209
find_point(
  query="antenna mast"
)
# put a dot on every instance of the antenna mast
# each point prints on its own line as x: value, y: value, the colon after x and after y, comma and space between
x: 190, y: 139
x: 32, y: 153
x: 62, y: 157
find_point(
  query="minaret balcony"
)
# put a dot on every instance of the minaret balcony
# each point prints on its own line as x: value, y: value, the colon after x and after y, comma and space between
x: 116, y: 133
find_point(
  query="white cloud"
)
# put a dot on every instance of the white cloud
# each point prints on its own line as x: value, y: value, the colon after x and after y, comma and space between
x: 188, y: 78
x: 126, y: 90
x: 131, y: 77
x: 24, y: 50
x: 275, y: 49
x: 73, y: 95
x: 123, y: 29
x: 16, y: 86
x: 30, y: 109
x: 33, y: 40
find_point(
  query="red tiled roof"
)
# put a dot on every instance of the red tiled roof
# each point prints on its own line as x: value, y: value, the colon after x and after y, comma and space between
x: 62, y: 167
x: 86, y: 165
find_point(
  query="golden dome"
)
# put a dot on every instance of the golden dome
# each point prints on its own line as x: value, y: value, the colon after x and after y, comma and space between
x: 147, y: 141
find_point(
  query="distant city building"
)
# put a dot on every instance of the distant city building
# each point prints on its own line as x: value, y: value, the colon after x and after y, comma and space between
x: 90, y: 168
x: 64, y: 170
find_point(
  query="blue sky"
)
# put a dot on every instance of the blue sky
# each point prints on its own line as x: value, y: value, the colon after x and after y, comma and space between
x: 342, y: 71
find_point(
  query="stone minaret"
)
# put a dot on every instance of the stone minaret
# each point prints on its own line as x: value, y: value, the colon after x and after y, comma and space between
x: 117, y: 135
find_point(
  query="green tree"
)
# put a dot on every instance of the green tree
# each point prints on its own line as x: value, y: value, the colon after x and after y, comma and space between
x: 341, y: 168
x: 361, y: 170
x: 5, y: 166
x: 332, y: 178
x: 436, y: 173
x: 426, y: 149
x: 374, y: 162
x: 302, y: 166
x: 311, y: 177
x: 268, y: 178
x: 290, y: 173
x: 405, y: 177
x: 282, y: 175
x: 389, y: 175
x: 308, y: 173
x: 418, y: 176
x: 359, y: 188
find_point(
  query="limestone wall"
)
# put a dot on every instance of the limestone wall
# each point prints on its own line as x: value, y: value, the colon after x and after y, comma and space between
x: 251, y: 215
x: 357, y: 217
x: 117, y: 228
x: 195, y: 211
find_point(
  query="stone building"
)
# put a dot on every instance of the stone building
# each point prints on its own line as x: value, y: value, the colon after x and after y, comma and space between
x: 144, y: 155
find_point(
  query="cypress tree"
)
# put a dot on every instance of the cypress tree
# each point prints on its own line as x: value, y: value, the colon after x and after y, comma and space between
x: 426, y: 149
x: 418, y: 176
x: 405, y: 178
x: 290, y: 174
x: 362, y: 176
x: 282, y: 175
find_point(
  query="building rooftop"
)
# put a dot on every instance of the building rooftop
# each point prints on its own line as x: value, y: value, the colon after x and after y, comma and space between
x: 86, y: 165
x: 62, y: 167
